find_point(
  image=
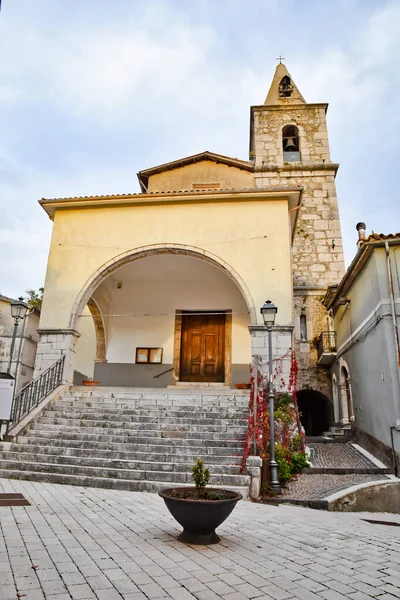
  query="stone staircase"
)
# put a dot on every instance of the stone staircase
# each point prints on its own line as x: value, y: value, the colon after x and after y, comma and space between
x: 339, y: 433
x: 133, y: 439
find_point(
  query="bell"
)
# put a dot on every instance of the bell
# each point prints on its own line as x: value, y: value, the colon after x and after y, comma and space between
x: 290, y: 145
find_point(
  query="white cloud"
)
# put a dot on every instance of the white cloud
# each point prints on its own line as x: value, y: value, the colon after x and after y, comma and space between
x: 169, y: 84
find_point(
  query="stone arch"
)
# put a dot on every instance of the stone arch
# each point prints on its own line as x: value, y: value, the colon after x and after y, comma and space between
x: 136, y: 254
x: 316, y: 412
x: 99, y: 329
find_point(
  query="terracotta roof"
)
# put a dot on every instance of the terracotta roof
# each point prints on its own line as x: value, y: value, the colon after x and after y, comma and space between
x: 375, y: 237
x: 144, y: 175
x: 279, y: 188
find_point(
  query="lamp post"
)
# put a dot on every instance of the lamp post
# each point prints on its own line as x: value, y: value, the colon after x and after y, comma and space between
x: 268, y: 311
x: 18, y: 312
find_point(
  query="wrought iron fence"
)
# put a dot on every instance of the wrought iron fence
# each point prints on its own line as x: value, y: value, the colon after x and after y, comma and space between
x: 327, y: 342
x: 30, y: 396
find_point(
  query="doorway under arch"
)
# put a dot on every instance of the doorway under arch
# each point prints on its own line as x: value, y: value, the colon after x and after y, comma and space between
x: 316, y: 412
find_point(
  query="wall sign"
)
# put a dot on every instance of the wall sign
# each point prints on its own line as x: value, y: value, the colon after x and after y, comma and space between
x: 149, y: 355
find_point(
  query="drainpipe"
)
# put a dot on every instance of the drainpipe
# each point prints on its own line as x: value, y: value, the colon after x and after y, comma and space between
x: 397, y: 343
x: 393, y: 308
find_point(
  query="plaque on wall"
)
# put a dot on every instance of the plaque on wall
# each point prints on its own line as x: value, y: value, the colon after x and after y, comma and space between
x: 149, y: 355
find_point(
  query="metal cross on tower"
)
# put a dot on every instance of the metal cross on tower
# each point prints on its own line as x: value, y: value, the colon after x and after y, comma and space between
x: 280, y: 58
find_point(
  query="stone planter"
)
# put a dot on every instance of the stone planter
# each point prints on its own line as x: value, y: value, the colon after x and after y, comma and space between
x: 199, y: 517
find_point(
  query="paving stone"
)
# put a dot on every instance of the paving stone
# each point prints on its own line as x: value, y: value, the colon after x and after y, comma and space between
x: 297, y: 553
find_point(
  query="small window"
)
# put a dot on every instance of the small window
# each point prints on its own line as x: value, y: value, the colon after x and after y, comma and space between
x: 291, y: 143
x: 303, y: 328
x: 285, y: 87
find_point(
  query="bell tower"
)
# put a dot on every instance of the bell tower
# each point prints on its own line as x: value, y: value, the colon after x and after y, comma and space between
x: 289, y: 147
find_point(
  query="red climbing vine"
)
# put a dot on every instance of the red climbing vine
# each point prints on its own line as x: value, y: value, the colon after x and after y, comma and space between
x: 289, y: 433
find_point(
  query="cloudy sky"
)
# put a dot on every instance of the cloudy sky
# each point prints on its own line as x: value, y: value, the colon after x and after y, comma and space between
x: 92, y: 91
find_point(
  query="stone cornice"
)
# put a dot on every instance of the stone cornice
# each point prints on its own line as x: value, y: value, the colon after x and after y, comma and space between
x: 298, y: 166
x: 59, y: 332
x: 291, y: 107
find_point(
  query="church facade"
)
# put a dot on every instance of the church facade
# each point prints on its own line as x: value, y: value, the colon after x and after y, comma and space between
x: 169, y: 282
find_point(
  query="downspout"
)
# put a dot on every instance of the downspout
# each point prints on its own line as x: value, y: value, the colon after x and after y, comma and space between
x: 393, y: 309
x: 396, y: 338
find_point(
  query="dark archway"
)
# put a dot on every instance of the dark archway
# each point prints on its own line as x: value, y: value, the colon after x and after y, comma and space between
x: 316, y: 412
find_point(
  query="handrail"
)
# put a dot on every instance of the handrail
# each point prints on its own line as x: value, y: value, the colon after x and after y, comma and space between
x: 163, y: 373
x: 30, y: 396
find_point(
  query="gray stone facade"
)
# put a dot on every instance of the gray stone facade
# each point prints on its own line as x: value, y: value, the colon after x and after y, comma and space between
x: 317, y: 253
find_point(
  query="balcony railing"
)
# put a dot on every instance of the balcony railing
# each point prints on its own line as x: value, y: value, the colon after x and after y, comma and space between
x: 327, y: 348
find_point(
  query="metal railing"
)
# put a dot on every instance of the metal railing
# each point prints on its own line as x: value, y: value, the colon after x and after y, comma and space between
x: 163, y: 373
x: 327, y: 343
x: 30, y: 396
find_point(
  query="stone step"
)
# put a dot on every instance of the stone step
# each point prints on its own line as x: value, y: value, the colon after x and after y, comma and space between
x: 137, y: 439
x: 62, y: 450
x: 102, y: 482
x: 347, y: 470
x: 136, y: 392
x: 119, y: 473
x: 150, y: 429
x: 94, y: 443
x: 184, y: 409
x: 213, y: 404
x: 125, y: 434
x: 112, y: 463
x: 153, y: 418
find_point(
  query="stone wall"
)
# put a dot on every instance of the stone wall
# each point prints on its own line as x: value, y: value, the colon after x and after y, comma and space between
x: 311, y: 376
x: 53, y: 344
x: 281, y: 350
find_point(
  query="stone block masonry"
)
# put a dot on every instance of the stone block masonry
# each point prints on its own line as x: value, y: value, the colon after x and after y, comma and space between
x: 317, y: 251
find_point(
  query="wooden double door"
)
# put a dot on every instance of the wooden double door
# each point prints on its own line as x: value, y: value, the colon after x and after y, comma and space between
x: 202, y: 356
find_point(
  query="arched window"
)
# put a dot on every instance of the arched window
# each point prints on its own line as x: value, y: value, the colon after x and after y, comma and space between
x: 291, y: 143
x: 303, y: 328
x: 285, y: 87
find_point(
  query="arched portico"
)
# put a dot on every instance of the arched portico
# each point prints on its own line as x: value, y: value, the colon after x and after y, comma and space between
x: 185, y: 302
x: 136, y: 254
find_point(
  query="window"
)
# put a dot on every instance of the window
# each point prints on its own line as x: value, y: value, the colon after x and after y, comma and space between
x: 303, y: 328
x: 291, y: 143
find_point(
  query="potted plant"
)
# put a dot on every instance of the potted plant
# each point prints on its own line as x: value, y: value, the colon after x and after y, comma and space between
x: 199, y: 510
x: 89, y: 381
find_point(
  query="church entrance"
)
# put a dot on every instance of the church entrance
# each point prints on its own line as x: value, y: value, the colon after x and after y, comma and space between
x: 202, y: 356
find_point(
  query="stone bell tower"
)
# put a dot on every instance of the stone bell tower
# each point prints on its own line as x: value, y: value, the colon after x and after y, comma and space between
x: 289, y: 146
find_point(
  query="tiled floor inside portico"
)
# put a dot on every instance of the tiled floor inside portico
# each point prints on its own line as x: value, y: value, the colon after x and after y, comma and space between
x: 86, y: 543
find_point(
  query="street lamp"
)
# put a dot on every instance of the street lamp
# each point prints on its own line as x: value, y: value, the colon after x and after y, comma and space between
x: 18, y: 312
x: 268, y: 311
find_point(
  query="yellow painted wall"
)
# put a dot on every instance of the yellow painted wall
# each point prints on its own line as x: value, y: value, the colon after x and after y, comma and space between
x: 251, y: 236
x: 205, y: 171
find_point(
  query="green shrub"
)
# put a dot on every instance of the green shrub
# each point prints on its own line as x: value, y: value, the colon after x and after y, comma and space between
x: 281, y: 457
x: 299, y: 462
x: 201, y: 475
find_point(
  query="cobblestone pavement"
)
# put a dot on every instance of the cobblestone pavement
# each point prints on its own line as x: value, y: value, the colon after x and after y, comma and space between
x: 338, y: 455
x: 84, y: 543
x: 317, y: 487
